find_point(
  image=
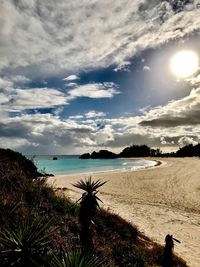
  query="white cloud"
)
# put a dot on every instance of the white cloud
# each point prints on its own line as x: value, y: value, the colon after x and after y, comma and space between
x: 58, y: 111
x: 103, y: 136
x: 163, y: 141
x: 92, y: 130
x: 76, y: 117
x: 146, y: 68
x: 195, y: 81
x: 71, y: 78
x: 15, y: 143
x: 94, y: 114
x: 89, y: 115
x: 19, y: 79
x: 44, y: 133
x: 186, y: 140
x: 123, y: 66
x: 3, y: 98
x: 5, y: 84
x: 35, y: 98
x: 94, y: 90
x: 71, y: 84
x: 14, y: 98
x: 39, y: 37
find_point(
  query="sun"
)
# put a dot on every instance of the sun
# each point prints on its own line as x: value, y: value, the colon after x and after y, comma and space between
x: 184, y: 63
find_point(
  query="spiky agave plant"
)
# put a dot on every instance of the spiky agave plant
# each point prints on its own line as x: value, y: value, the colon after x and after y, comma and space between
x: 88, y: 207
x: 76, y: 259
x: 26, y: 246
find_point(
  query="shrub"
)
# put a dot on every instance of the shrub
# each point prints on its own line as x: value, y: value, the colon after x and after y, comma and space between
x: 25, y: 246
x: 128, y: 256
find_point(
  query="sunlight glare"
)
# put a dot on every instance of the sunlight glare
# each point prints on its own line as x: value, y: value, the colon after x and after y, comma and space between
x: 184, y: 63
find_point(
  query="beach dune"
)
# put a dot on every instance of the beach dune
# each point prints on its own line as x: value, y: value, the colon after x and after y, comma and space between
x: 160, y: 201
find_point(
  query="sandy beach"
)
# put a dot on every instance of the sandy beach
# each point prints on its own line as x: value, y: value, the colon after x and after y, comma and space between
x: 161, y: 200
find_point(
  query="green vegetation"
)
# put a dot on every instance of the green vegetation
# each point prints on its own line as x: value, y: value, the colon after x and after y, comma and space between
x: 189, y: 151
x: 25, y: 246
x: 102, y: 154
x: 41, y: 226
x: 128, y: 152
x: 76, y: 259
x: 144, y: 151
x: 88, y: 210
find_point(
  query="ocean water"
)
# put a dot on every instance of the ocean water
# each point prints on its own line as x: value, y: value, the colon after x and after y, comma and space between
x: 67, y: 165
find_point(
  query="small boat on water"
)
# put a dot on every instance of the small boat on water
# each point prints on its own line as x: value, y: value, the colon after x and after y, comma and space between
x: 55, y: 158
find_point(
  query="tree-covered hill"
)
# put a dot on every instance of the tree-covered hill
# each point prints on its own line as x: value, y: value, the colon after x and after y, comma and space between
x: 144, y: 151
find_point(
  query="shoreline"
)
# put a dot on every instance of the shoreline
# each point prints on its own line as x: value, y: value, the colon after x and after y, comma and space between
x: 122, y: 170
x: 161, y: 200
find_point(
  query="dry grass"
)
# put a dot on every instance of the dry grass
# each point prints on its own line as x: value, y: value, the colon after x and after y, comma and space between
x: 117, y: 241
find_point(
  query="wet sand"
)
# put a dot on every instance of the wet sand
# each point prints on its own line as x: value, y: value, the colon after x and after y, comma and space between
x: 161, y: 200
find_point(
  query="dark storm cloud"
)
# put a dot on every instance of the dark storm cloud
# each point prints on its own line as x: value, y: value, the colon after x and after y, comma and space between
x: 14, y: 130
x: 190, y: 119
x: 183, y: 112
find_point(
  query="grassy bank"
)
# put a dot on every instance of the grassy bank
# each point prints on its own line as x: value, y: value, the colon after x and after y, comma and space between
x: 40, y: 225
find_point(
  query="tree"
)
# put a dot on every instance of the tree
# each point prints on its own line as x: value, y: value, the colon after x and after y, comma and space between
x: 88, y: 208
x: 135, y: 151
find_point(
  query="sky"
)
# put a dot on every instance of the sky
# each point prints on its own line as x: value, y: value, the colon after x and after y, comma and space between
x: 78, y: 76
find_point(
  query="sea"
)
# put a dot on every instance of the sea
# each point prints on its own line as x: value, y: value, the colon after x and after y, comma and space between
x: 72, y: 164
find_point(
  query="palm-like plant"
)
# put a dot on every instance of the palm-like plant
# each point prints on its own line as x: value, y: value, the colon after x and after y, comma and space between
x: 76, y: 259
x: 88, y: 207
x: 27, y: 246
